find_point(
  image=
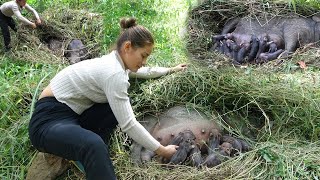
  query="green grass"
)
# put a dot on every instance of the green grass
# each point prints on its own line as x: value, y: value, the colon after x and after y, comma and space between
x: 165, y: 19
x: 279, y: 108
x: 18, y: 84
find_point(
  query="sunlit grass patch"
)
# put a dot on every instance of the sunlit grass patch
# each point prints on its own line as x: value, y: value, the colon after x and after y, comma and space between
x: 18, y: 84
x: 165, y: 19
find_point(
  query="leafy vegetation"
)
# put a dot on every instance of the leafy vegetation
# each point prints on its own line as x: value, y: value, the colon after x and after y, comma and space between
x: 276, y: 109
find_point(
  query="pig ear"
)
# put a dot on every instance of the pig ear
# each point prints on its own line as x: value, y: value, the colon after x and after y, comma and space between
x: 316, y: 18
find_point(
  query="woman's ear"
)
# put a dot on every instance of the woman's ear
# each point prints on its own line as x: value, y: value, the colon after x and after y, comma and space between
x: 127, y: 46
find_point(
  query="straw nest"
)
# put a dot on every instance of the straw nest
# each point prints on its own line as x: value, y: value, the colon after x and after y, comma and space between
x: 61, y: 25
x: 209, y: 18
x: 262, y: 108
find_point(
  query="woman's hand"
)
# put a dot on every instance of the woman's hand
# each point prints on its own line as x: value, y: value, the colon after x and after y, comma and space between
x: 166, y: 151
x: 179, y: 67
x: 33, y: 25
x: 38, y: 22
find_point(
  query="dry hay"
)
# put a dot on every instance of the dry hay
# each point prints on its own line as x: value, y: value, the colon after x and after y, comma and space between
x: 267, y: 161
x: 209, y: 18
x: 280, y: 148
x: 62, y: 24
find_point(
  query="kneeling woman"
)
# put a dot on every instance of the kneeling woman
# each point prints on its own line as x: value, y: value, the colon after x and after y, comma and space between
x: 85, y: 101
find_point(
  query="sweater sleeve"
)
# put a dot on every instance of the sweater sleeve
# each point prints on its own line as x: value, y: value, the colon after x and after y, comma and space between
x: 16, y: 12
x: 30, y: 9
x: 149, y: 72
x: 115, y: 89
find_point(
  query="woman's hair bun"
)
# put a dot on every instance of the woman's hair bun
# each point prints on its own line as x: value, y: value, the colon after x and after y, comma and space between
x: 126, y: 23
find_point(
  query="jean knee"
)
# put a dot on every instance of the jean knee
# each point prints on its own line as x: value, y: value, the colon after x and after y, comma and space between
x: 95, y: 145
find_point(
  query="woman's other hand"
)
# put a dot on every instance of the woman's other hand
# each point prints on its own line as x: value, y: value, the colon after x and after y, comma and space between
x: 179, y: 67
x: 38, y: 22
x: 33, y: 25
x: 166, y: 151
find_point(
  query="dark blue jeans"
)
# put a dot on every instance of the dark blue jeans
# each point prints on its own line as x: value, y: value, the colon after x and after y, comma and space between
x: 56, y: 129
x: 5, y: 23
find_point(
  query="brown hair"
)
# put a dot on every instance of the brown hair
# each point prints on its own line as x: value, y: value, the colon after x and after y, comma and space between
x: 139, y: 36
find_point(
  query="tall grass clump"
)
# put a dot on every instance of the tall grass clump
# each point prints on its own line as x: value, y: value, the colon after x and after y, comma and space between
x: 275, y: 103
x: 19, y: 81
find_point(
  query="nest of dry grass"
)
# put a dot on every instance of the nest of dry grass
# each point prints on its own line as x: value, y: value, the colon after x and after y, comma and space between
x: 267, y: 161
x: 266, y: 108
x: 209, y: 18
x: 62, y: 25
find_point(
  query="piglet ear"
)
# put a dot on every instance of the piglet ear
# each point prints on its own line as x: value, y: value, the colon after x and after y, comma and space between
x: 316, y: 18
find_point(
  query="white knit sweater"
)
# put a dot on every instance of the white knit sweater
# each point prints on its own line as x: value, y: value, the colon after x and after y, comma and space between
x: 104, y: 80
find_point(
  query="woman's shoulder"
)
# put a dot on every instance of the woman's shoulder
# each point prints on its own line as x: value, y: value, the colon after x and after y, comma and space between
x: 105, y: 59
x: 104, y: 65
x: 11, y: 4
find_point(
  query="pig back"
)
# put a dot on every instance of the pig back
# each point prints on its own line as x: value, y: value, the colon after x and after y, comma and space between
x: 299, y: 29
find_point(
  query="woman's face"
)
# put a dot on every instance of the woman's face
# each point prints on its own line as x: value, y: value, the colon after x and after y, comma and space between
x: 135, y: 58
x: 21, y: 3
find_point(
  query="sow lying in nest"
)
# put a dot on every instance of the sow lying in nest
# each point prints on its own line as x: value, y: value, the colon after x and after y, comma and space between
x: 257, y: 40
x: 199, y: 139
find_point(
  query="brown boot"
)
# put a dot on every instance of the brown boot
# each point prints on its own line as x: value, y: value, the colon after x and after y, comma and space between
x: 46, y: 167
